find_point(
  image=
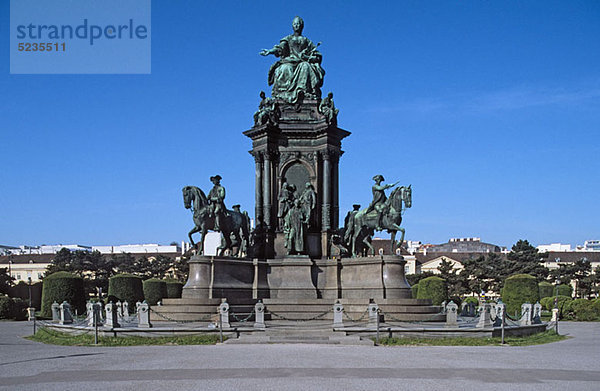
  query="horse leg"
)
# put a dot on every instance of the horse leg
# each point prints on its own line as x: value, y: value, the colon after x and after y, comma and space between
x: 193, y: 231
x: 393, y: 242
x: 399, y: 228
x: 201, y: 243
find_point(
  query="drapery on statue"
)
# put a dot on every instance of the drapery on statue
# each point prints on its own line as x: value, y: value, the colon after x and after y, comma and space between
x: 295, y: 219
x: 234, y: 223
x: 382, y: 214
x: 286, y: 201
x: 298, y: 72
x: 308, y: 200
x: 327, y: 108
x: 267, y: 111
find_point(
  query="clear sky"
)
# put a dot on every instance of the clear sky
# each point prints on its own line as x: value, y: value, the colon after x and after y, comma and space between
x: 491, y: 110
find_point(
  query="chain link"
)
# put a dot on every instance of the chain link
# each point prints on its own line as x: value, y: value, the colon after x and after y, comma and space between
x: 204, y: 318
x: 241, y: 320
x: 362, y: 316
x: 298, y: 320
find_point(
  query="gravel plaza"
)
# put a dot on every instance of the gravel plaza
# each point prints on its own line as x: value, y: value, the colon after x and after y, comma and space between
x: 573, y: 364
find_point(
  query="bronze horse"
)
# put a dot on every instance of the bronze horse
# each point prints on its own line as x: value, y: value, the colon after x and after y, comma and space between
x: 363, y: 225
x: 235, y: 224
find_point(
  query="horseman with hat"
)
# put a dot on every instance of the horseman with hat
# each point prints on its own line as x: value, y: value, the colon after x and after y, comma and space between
x: 379, y: 198
x: 216, y: 198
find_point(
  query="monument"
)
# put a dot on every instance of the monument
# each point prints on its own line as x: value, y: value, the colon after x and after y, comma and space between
x: 297, y: 254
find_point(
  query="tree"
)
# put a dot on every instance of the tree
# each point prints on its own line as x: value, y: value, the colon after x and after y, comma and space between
x: 6, y: 280
x: 581, y: 273
x: 413, y: 279
x: 450, y: 274
x: 526, y: 259
x: 482, y: 274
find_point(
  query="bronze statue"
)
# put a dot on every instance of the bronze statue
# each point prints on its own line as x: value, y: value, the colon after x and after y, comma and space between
x: 294, y: 229
x: 327, y: 108
x: 286, y: 201
x: 216, y: 198
x: 308, y: 200
x: 383, y: 213
x: 298, y: 72
x: 379, y: 198
x: 268, y: 111
x: 233, y: 223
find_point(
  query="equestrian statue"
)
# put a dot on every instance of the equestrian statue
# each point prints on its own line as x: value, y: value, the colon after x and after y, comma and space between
x: 210, y: 213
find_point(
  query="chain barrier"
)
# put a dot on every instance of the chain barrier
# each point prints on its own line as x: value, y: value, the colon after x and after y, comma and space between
x: 386, y: 315
x: 298, y: 320
x: 362, y: 316
x: 241, y: 320
x: 204, y: 318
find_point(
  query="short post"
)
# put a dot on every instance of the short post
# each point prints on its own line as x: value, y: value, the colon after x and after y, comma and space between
x: 373, y: 311
x: 30, y: 313
x: 451, y: 314
x: 463, y: 308
x: 112, y: 320
x: 554, y: 315
x: 119, y: 310
x: 377, y: 333
x: 537, y: 313
x: 143, y: 313
x: 500, y: 310
x: 97, y: 307
x: 33, y: 323
x: 65, y: 313
x: 224, y: 314
x: 525, y: 319
x: 259, y: 315
x: 55, y: 315
x: 444, y: 303
x: 125, y: 309
x: 89, y: 308
x: 485, y: 319
x: 338, y: 311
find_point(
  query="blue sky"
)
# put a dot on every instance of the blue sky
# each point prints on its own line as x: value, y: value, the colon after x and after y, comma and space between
x: 489, y: 109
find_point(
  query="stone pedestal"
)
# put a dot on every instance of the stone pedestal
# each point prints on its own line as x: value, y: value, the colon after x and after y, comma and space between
x: 291, y: 277
x: 199, y: 278
x: 374, y: 277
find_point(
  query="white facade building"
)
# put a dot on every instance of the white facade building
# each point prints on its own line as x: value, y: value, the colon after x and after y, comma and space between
x: 544, y: 248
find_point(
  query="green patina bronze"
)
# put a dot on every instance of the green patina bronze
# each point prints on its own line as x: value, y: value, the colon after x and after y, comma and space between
x: 298, y: 73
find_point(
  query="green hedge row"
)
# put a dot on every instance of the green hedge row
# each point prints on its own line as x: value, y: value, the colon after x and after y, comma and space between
x: 519, y: 289
x: 125, y: 287
x: 154, y: 290
x: 433, y: 288
x: 62, y: 286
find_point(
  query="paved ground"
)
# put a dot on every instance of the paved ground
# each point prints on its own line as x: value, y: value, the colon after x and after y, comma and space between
x: 573, y: 364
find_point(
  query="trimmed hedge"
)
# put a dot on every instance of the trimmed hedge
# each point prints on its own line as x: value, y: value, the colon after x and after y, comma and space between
x: 546, y: 289
x: 174, y: 289
x: 415, y: 290
x: 433, y: 288
x: 126, y: 287
x: 21, y: 290
x: 519, y: 289
x: 472, y: 299
x: 6, y: 307
x: 565, y: 290
x: 584, y: 310
x: 62, y: 286
x: 154, y: 290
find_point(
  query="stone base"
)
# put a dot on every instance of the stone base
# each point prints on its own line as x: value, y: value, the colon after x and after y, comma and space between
x: 374, y: 277
x: 291, y: 277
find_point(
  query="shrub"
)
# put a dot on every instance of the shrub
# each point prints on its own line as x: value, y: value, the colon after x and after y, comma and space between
x: 546, y: 289
x: 563, y: 304
x: 547, y: 303
x: 174, y: 289
x: 565, y: 290
x: 6, y: 307
x: 472, y: 299
x: 519, y: 289
x: 415, y: 290
x: 19, y: 309
x: 433, y: 288
x: 154, y: 290
x: 21, y: 290
x: 62, y: 286
x: 582, y: 309
x: 457, y: 300
x: 126, y: 287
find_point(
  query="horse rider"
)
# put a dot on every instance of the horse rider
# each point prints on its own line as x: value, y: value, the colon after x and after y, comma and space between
x: 379, y: 198
x: 216, y: 198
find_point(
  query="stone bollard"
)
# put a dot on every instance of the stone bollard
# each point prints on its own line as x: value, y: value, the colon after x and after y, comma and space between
x: 65, y: 316
x: 485, y: 319
x: 55, y: 315
x: 119, y: 310
x: 500, y: 311
x: 125, y: 307
x: 259, y: 315
x: 526, y: 309
x: 554, y: 315
x: 224, y: 314
x: 30, y: 313
x: 373, y: 311
x: 451, y: 314
x: 112, y: 319
x: 444, y: 303
x: 338, y: 312
x: 89, y: 309
x: 143, y: 313
x: 537, y: 313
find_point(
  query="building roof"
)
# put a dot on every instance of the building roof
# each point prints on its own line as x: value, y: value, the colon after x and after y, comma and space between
x: 47, y: 258
x: 572, y: 256
x: 466, y: 246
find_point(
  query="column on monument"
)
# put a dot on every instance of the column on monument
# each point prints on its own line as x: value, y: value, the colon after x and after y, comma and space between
x: 258, y: 196
x: 267, y: 190
x: 326, y: 191
x: 336, y: 193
